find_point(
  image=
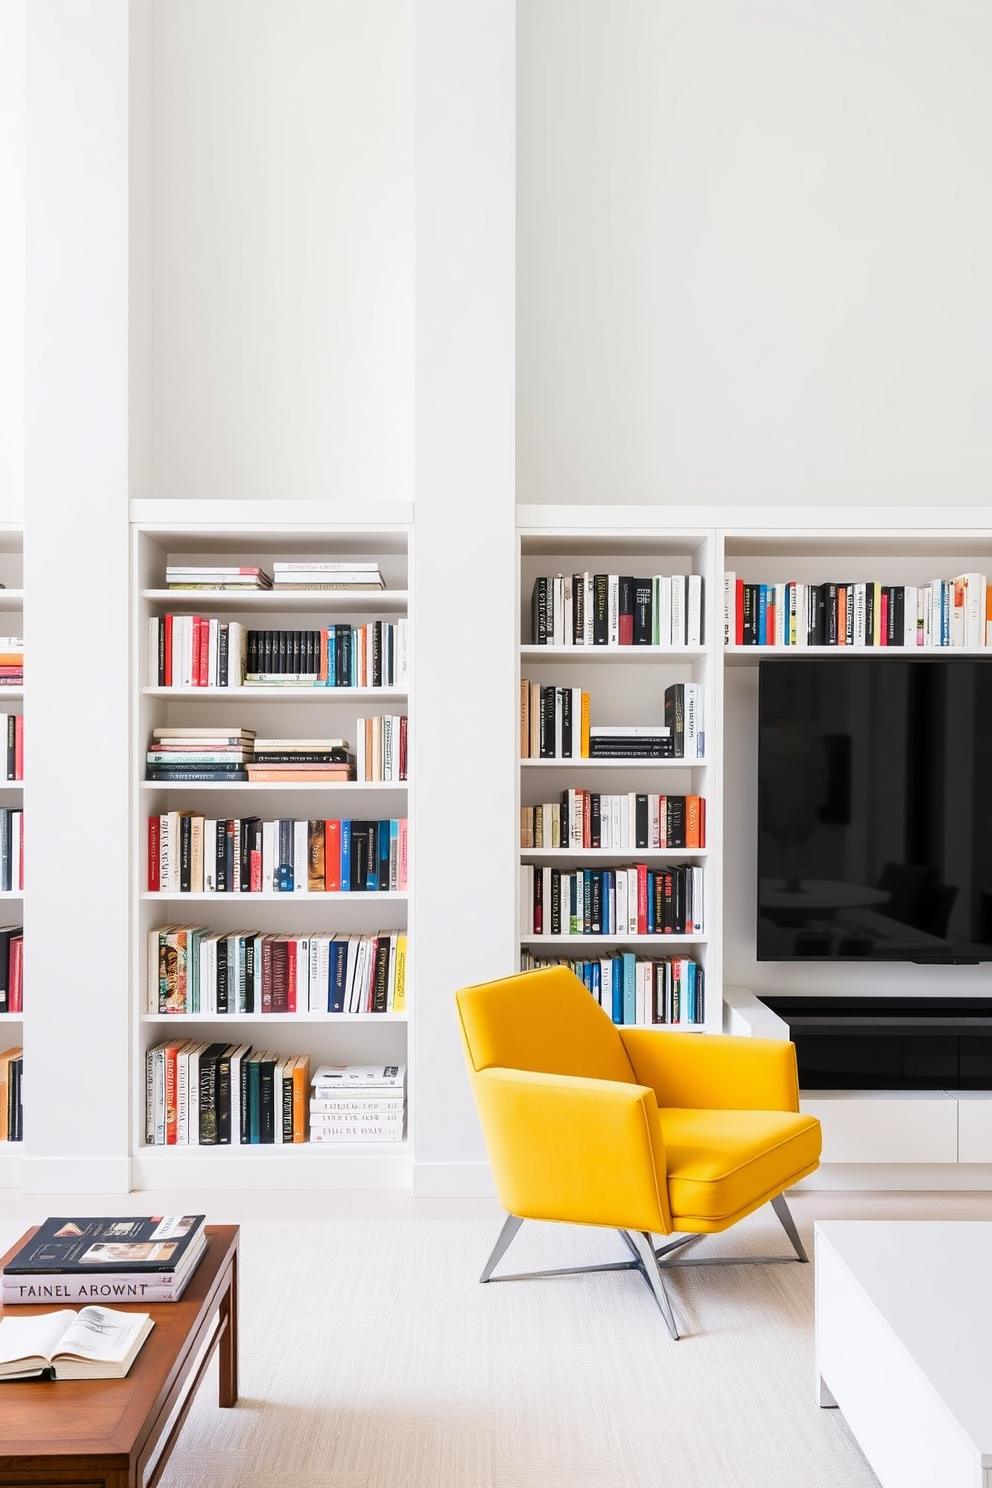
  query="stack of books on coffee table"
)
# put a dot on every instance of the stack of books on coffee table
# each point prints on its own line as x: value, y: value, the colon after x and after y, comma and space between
x: 134, y: 1258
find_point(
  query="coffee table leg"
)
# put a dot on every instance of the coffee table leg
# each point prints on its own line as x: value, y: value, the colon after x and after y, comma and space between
x: 228, y: 1347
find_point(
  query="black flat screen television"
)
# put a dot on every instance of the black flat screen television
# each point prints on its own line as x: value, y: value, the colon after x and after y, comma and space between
x: 875, y: 809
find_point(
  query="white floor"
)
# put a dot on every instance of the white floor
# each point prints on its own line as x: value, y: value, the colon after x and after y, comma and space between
x: 371, y: 1357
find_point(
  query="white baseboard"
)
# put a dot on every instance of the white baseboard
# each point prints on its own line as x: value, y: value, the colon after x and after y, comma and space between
x: 962, y: 1177
x: 97, y: 1175
x: 453, y: 1181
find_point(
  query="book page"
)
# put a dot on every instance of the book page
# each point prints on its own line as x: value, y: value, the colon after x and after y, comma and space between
x: 32, y: 1337
x: 99, y: 1333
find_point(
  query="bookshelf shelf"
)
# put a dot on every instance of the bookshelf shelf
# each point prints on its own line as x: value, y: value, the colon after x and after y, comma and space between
x: 277, y: 694
x: 284, y: 601
x: 11, y: 599
x: 255, y: 787
x: 736, y: 656
x: 11, y: 695
x: 296, y: 1165
x: 659, y: 942
x: 13, y: 894
x: 366, y: 896
x: 609, y: 854
x: 611, y: 764
x: 643, y: 655
x: 226, y: 1020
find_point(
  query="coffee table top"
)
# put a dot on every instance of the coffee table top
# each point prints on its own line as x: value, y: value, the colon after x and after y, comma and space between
x: 73, y: 1417
x: 931, y: 1282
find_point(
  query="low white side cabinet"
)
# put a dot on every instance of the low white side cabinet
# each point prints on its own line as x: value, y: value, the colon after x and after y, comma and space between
x: 903, y: 1319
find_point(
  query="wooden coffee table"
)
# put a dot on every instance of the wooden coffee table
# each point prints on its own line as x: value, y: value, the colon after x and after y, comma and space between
x: 119, y: 1433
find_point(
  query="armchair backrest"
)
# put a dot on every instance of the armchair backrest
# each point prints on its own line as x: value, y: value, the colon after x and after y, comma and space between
x: 543, y: 1021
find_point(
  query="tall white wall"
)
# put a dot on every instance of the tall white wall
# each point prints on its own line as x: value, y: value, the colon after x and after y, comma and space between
x: 12, y: 20
x: 283, y: 249
x: 754, y: 251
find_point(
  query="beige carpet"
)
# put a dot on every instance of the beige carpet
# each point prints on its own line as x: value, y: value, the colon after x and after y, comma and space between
x: 371, y: 1358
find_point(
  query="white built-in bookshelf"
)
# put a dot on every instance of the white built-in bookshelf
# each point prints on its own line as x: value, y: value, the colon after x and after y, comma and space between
x: 283, y: 712
x: 626, y: 686
x: 11, y: 797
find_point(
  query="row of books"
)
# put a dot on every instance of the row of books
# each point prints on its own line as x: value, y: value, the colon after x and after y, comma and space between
x: 193, y: 969
x: 635, y: 900
x: 318, y: 573
x: 11, y: 661
x: 11, y: 1099
x: 12, y: 733
x: 618, y: 610
x: 200, y: 1094
x: 195, y: 651
x: 12, y: 849
x: 637, y: 991
x: 586, y: 819
x: 218, y: 1095
x: 12, y: 969
x: 943, y: 612
x: 555, y: 724
x: 192, y: 854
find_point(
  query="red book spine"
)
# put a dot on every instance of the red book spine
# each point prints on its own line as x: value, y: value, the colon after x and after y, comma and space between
x: 642, y: 899
x: 255, y: 869
x: 168, y: 650
x: 883, y: 634
x: 292, y: 947
x: 538, y: 902
x: 668, y: 926
x: 739, y: 613
x: 19, y: 747
x: 15, y: 1001
x: 404, y: 853
x: 170, y: 1095
x: 332, y: 857
x: 266, y: 974
x: 203, y: 638
x: 280, y: 968
x: 154, y: 848
x: 403, y: 745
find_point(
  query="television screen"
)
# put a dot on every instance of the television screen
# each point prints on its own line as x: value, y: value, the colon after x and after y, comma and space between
x: 875, y: 809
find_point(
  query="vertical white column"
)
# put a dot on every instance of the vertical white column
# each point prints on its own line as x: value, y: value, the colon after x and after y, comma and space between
x: 465, y: 701
x: 76, y: 587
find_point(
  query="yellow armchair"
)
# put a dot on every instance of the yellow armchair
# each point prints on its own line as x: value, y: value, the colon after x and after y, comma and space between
x: 646, y: 1131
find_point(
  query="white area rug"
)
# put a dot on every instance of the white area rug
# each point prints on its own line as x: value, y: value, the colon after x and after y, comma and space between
x: 372, y: 1358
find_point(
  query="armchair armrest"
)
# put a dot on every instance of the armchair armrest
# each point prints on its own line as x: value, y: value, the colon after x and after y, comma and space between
x: 584, y: 1151
x: 714, y: 1071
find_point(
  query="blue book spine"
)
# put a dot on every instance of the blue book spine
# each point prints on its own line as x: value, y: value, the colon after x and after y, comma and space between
x: 394, y: 856
x: 762, y: 614
x: 378, y: 874
x: 351, y: 657
x: 629, y: 989
x: 337, y: 975
x: 945, y: 613
x: 609, y: 901
x: 282, y: 877
x: 345, y: 857
x: 650, y: 917
x: 617, y: 981
x: 254, y: 1102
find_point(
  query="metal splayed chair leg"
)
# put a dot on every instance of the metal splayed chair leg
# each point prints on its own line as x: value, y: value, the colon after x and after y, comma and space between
x: 648, y: 1259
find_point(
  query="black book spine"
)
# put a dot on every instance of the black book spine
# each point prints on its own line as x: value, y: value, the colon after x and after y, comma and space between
x: 286, y: 1114
x: 223, y: 650
x: 601, y: 610
x: 230, y: 867
x: 641, y: 839
x: 849, y: 615
x: 556, y: 901
x: 566, y: 722
x: 596, y: 902
x: 208, y: 1095
x: 539, y: 612
x: 220, y: 857
x: 643, y: 612
x: 249, y: 997
x: 890, y: 617
x: 244, y: 864
x: 222, y: 977
x: 675, y: 821
x: 185, y: 853
x: 161, y: 652
x: 547, y: 723
x: 266, y: 1097
x: 749, y: 633
x: 245, y: 1112
x: 578, y: 609
x: 831, y: 615
x: 897, y: 604
x: 224, y: 1099
x: 252, y: 651
x: 869, y: 614
x: 821, y: 614
x: 380, y: 980
x: 586, y: 888
x: 675, y: 717
x: 595, y: 820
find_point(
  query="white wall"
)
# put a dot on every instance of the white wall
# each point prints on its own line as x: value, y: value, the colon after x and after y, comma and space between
x: 11, y: 258
x: 754, y: 251
x: 283, y: 258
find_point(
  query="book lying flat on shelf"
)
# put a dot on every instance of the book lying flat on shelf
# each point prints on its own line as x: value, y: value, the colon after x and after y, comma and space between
x: 94, y: 1343
x: 97, y: 1245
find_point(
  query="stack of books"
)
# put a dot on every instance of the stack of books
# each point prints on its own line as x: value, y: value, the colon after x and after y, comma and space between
x: 11, y: 1106
x: 358, y: 1103
x: 224, y: 1095
x: 12, y: 730
x: 630, y: 741
x: 11, y: 661
x: 327, y: 573
x: 12, y: 969
x: 193, y: 969
x: 132, y: 1259
x: 192, y: 854
x: 301, y: 761
x: 188, y: 754
x: 214, y: 576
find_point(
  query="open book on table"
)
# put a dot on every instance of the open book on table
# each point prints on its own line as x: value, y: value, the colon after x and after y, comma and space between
x: 94, y: 1343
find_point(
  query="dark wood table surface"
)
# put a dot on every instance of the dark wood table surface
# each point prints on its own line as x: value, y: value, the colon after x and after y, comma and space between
x: 119, y: 1433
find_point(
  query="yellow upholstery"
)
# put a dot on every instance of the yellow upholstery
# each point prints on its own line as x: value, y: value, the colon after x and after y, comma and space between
x: 637, y: 1129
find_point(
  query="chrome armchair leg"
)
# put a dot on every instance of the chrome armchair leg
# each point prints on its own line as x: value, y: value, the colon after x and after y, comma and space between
x: 510, y: 1227
x: 649, y: 1268
x: 789, y: 1226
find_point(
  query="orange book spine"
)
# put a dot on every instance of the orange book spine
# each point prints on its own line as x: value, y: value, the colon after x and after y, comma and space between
x: 692, y: 821
x: 301, y: 1087
x: 585, y: 725
x: 524, y: 718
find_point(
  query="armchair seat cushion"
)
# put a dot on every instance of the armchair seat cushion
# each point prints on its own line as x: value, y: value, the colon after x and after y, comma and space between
x: 723, y: 1164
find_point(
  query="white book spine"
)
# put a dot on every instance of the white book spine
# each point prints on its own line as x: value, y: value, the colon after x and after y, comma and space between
x: 781, y: 615
x: 678, y: 609
x: 588, y: 609
x: 729, y: 607
x: 910, y: 602
x: 613, y: 609
x: 694, y: 611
